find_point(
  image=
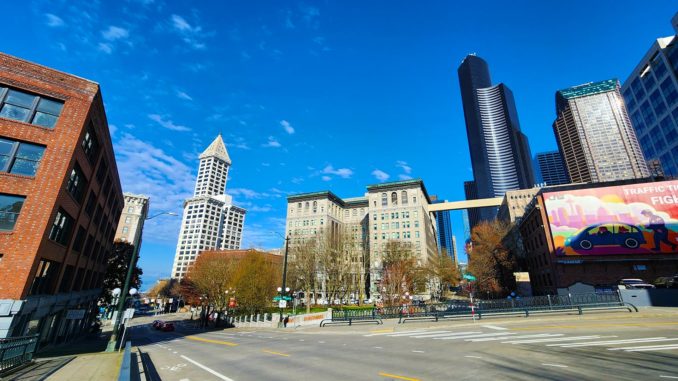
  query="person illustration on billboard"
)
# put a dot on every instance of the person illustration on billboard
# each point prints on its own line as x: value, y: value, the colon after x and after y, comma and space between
x: 661, y: 233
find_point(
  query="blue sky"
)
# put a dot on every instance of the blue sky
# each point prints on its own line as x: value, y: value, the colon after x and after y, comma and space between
x: 316, y: 95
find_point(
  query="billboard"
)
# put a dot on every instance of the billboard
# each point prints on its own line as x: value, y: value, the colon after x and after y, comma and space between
x: 623, y: 219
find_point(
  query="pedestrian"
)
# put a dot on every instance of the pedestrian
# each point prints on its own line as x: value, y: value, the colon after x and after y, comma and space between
x: 661, y: 233
x: 286, y: 320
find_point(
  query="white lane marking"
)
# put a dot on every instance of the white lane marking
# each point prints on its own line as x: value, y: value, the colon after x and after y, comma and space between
x: 573, y: 338
x: 321, y: 342
x: 515, y: 337
x: 378, y: 348
x: 174, y: 353
x: 610, y: 342
x: 474, y: 336
x: 418, y: 352
x: 221, y: 376
x: 390, y: 333
x: 473, y: 357
x: 555, y: 365
x: 415, y: 333
x: 663, y: 376
x: 654, y: 348
x: 447, y: 334
x: 301, y: 339
x: 495, y: 327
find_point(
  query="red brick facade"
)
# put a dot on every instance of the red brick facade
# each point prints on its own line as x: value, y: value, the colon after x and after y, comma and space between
x: 45, y: 194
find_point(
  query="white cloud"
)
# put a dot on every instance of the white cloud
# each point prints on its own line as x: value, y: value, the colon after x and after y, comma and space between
x: 115, y: 33
x: 341, y: 172
x: 166, y: 123
x: 190, y: 34
x: 251, y: 194
x: 404, y: 177
x: 326, y: 178
x: 105, y: 47
x: 287, y: 126
x: 54, y: 20
x: 167, y: 181
x: 272, y: 143
x: 380, y: 175
x: 183, y: 95
x: 112, y: 128
x: 403, y: 165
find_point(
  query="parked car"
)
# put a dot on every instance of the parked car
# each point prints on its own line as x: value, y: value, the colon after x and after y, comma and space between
x: 635, y: 284
x: 666, y: 282
x: 167, y: 327
x: 607, y: 234
x: 157, y: 323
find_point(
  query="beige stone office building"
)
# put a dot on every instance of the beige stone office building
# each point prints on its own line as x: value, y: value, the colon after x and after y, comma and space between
x: 134, y: 213
x: 389, y: 211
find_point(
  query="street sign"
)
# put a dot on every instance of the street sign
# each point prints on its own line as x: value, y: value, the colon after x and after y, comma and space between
x: 282, y: 304
x: 276, y: 298
x: 469, y: 277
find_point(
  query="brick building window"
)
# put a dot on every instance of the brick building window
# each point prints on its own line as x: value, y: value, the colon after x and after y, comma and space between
x: 67, y: 279
x: 77, y: 183
x: 90, y: 144
x: 10, y: 207
x: 45, y: 277
x: 61, y: 228
x: 29, y: 108
x: 79, y: 239
x: 19, y: 158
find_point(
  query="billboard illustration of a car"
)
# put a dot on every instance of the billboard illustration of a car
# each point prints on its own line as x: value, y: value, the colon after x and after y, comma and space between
x: 606, y: 234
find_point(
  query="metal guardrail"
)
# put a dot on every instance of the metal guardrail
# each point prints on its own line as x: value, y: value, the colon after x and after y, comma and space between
x: 463, y: 308
x: 15, y: 351
x: 126, y: 366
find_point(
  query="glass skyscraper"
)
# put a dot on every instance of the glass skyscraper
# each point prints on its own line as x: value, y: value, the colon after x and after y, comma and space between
x: 595, y: 136
x: 500, y: 154
x: 651, y: 95
x: 444, y: 231
x: 550, y: 168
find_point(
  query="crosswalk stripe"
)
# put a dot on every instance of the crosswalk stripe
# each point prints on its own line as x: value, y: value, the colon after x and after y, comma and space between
x: 495, y: 327
x: 447, y: 334
x: 646, y: 347
x: 414, y: 333
x: 514, y: 337
x: 573, y: 338
x: 473, y: 336
x: 610, y: 342
x: 391, y: 333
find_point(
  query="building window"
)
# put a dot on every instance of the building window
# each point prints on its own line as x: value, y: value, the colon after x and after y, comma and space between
x: 315, y: 206
x: 44, y: 277
x: 29, y: 108
x: 384, y: 199
x: 19, y: 158
x: 394, y: 198
x: 125, y: 230
x: 76, y: 184
x: 61, y: 228
x: 403, y: 197
x: 128, y: 219
x: 10, y: 207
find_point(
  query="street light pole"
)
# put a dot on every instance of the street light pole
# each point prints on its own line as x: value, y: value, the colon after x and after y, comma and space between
x: 125, y: 288
x: 283, y: 290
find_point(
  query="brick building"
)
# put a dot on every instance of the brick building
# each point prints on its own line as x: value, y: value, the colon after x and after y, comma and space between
x: 587, y: 237
x: 60, y: 200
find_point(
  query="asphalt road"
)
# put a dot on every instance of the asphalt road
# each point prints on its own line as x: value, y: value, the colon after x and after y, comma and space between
x: 604, y: 346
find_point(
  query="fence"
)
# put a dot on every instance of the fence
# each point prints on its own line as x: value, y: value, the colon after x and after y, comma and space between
x: 464, y: 308
x: 15, y: 351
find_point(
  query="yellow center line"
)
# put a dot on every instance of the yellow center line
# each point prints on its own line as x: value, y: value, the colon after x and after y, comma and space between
x: 398, y: 377
x: 648, y: 324
x: 382, y: 330
x: 276, y: 353
x: 211, y: 341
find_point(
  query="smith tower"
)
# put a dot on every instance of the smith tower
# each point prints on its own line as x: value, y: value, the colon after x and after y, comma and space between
x: 500, y: 154
x: 210, y: 219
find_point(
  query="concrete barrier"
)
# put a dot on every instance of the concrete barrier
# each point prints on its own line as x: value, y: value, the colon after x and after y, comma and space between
x: 653, y: 297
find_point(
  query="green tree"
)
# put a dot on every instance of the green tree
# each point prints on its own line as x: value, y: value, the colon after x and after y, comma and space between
x: 116, y: 270
x: 255, y: 279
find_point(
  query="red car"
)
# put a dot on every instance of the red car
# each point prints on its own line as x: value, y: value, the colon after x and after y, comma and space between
x: 167, y: 327
x: 157, y: 324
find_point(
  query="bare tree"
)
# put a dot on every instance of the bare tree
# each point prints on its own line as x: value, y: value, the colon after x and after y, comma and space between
x: 441, y: 273
x: 400, y: 273
x: 337, y: 249
x: 490, y: 262
x: 304, y: 268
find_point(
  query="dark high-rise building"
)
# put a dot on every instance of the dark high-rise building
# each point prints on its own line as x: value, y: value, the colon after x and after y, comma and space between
x: 651, y: 95
x: 444, y: 231
x: 595, y: 136
x: 471, y: 193
x: 551, y: 168
x: 500, y: 154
